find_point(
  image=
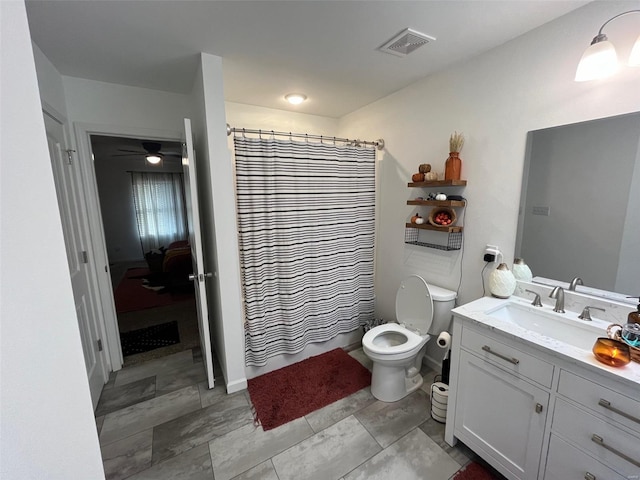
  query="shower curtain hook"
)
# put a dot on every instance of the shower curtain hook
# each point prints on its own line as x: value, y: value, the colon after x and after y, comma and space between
x: 306, y: 137
x: 321, y: 142
x: 243, y: 133
x: 260, y: 134
x: 273, y: 135
x: 334, y: 141
x: 290, y: 137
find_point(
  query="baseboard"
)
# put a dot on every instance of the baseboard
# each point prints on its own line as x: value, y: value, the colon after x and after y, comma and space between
x: 237, y: 386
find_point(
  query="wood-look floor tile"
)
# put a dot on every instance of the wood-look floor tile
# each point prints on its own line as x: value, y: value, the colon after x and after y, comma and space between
x: 201, y: 426
x: 194, y: 464
x: 150, y: 413
x: 414, y: 457
x: 125, y: 457
x: 336, y: 411
x: 387, y: 422
x: 244, y: 448
x: 117, y: 398
x: 327, y: 455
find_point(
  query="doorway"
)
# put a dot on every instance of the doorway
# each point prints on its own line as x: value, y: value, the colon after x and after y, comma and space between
x: 144, y: 223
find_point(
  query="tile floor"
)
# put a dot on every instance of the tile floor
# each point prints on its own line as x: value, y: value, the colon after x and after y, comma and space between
x: 157, y: 420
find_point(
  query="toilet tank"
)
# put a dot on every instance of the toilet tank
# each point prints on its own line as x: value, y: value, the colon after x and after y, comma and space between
x: 443, y: 302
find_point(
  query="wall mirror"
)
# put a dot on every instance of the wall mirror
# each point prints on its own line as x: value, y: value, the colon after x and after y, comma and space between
x: 580, y: 204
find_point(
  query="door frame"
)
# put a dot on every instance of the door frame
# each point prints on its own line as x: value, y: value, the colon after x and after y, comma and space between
x: 98, y: 245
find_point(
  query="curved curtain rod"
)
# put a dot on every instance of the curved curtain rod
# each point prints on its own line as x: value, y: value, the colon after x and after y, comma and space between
x: 379, y: 144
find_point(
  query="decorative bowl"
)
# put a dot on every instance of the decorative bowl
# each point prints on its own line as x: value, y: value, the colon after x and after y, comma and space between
x: 440, y: 214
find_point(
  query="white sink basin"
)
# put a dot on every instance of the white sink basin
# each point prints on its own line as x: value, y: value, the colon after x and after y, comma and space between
x: 564, y: 327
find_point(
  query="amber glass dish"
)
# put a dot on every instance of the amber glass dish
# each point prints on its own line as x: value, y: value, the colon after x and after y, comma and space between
x: 612, y: 352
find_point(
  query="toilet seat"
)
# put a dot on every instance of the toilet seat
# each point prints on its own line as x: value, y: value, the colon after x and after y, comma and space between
x: 413, y: 339
x: 414, y: 304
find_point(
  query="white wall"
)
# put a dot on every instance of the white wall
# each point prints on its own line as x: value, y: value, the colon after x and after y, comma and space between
x: 47, y: 427
x: 218, y: 201
x: 110, y: 104
x: 495, y: 99
x: 240, y: 115
x: 49, y: 82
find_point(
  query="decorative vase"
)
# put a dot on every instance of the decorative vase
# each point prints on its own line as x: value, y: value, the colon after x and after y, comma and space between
x: 502, y: 283
x: 453, y: 166
x: 521, y: 270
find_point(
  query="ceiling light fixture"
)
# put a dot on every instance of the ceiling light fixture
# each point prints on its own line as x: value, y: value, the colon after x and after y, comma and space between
x: 154, y: 158
x: 295, y: 98
x: 600, y: 59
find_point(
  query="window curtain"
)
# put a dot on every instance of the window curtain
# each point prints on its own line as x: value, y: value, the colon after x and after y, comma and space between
x: 160, y: 208
x: 306, y: 218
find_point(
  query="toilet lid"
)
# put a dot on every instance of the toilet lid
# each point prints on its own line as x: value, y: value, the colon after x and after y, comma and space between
x: 414, y: 305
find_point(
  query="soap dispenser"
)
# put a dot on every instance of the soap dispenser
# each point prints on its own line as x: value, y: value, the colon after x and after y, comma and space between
x: 634, y: 317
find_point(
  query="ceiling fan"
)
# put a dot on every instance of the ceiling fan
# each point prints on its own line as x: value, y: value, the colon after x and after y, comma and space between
x: 153, y: 152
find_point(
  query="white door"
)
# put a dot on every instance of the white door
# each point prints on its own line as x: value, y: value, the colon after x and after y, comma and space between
x: 76, y: 237
x: 195, y: 240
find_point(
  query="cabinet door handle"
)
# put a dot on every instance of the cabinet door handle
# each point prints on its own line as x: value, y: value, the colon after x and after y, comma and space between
x: 606, y: 404
x: 539, y: 408
x: 589, y: 476
x: 487, y: 349
x: 600, y: 441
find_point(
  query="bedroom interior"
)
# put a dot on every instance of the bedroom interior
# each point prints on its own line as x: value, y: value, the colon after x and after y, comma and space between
x: 153, y: 297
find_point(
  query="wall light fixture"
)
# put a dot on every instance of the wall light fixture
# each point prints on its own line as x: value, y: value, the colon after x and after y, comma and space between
x: 600, y: 59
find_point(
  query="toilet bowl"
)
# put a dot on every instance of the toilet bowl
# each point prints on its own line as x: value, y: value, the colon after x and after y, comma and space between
x: 397, y: 349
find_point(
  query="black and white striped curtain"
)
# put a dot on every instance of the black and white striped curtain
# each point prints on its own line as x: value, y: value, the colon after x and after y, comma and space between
x: 306, y: 217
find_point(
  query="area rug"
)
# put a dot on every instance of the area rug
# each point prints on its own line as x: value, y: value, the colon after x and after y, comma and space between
x: 475, y: 471
x: 294, y: 391
x: 149, y: 338
x: 131, y: 295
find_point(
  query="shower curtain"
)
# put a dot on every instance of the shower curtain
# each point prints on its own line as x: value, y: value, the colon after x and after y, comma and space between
x: 306, y: 218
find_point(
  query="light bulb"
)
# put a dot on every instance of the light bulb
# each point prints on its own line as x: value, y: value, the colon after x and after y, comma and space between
x: 154, y: 159
x: 295, y: 98
x: 634, y: 58
x: 598, y: 61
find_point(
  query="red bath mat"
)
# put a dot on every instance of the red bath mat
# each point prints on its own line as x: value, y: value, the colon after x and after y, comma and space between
x: 475, y: 471
x: 294, y: 391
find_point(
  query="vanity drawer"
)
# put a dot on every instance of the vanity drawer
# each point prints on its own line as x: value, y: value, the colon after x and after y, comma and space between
x: 507, y: 357
x: 602, y: 400
x: 566, y: 462
x: 610, y: 445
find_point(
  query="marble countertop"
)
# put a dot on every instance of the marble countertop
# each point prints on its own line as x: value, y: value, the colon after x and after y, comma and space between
x: 474, y: 312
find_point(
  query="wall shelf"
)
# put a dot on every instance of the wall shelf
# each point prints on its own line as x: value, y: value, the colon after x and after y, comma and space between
x: 438, y: 183
x: 438, y: 203
x: 454, y: 232
x: 428, y: 226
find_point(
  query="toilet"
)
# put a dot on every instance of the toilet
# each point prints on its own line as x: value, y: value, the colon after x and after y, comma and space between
x: 397, y: 349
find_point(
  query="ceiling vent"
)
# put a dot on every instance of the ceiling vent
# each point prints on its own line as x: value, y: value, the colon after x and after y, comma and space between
x: 406, y: 42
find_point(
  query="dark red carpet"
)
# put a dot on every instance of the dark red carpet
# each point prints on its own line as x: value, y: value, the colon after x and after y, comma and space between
x: 131, y: 296
x: 294, y: 391
x: 475, y: 471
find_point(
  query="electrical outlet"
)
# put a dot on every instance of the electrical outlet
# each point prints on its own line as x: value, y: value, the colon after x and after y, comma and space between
x: 491, y: 253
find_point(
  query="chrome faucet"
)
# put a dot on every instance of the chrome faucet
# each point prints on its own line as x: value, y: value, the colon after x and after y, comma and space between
x: 574, y: 283
x: 536, y: 300
x: 558, y: 294
x: 586, y: 313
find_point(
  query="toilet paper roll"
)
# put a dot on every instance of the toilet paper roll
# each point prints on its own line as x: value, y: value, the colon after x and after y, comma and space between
x: 444, y: 340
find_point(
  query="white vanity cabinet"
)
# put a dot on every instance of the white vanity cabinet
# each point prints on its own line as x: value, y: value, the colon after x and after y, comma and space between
x: 534, y: 415
x: 501, y: 402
